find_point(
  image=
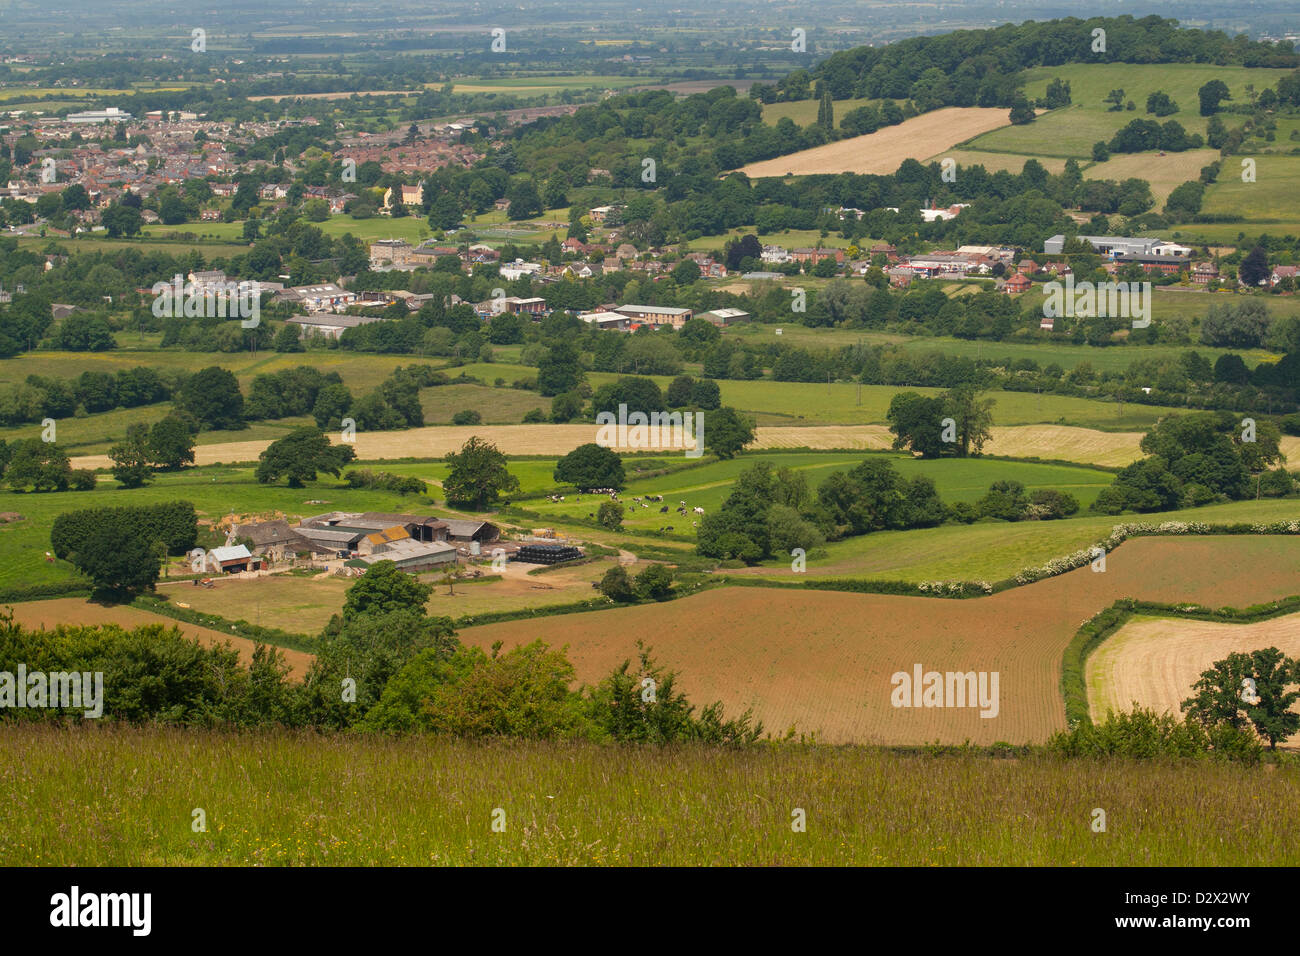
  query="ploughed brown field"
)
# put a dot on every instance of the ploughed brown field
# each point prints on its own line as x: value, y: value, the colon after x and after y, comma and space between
x: 883, y: 151
x: 821, y: 661
x: 1155, y: 661
x: 73, y: 611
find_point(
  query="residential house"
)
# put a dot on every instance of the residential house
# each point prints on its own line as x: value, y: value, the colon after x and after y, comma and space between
x: 1016, y: 284
x: 1204, y: 272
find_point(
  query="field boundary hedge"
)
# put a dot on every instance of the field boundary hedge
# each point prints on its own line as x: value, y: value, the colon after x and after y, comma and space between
x: 1094, y: 631
x: 77, y: 587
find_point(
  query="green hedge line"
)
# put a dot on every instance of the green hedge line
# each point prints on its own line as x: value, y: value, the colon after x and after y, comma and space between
x: 77, y: 587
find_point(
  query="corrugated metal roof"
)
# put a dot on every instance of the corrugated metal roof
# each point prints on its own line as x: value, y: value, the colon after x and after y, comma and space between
x: 233, y: 553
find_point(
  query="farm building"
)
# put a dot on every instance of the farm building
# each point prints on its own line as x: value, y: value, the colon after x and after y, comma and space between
x: 547, y: 553
x: 274, y: 540
x: 378, y: 542
x: 410, y: 555
x: 459, y: 529
x: 725, y: 316
x: 331, y: 540
x: 230, y: 559
x: 330, y: 326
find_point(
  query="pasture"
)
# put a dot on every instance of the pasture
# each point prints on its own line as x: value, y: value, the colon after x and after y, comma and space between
x: 1071, y: 131
x: 992, y: 550
x: 708, y: 486
x: 334, y: 800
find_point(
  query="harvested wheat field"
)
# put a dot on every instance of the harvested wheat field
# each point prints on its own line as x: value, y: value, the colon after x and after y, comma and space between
x: 74, y: 611
x: 1164, y: 172
x: 821, y: 661
x: 1155, y: 661
x: 881, y: 152
x: 1066, y: 443
x: 1060, y: 442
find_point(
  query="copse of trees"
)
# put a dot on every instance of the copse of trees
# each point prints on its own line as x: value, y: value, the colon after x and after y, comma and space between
x: 1194, y: 460
x: 31, y: 464
x: 591, y: 466
x: 957, y: 423
x: 478, y: 475
x: 300, y: 455
x: 121, y: 549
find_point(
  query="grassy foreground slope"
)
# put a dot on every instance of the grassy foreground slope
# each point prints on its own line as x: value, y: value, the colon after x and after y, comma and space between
x: 285, y: 799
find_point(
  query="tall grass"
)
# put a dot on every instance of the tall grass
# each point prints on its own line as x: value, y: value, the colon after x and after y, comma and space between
x: 108, y: 795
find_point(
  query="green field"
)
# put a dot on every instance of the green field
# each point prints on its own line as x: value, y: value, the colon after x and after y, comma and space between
x: 991, y: 550
x: 333, y: 800
x: 709, y: 485
x: 804, y: 112
x: 1072, y: 131
x: 1102, y: 359
x: 1256, y: 203
x: 804, y: 403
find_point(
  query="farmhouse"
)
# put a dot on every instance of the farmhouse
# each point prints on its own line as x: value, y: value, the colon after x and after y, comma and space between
x: 273, y: 540
x: 1204, y: 272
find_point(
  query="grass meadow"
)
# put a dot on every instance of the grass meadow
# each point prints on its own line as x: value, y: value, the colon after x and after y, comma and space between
x: 112, y: 796
x: 1072, y: 131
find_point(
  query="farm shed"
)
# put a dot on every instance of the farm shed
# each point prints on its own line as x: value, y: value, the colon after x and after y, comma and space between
x: 231, y: 559
x: 547, y: 553
x: 331, y: 539
x: 463, y: 529
x: 411, y: 555
x: 420, y: 527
